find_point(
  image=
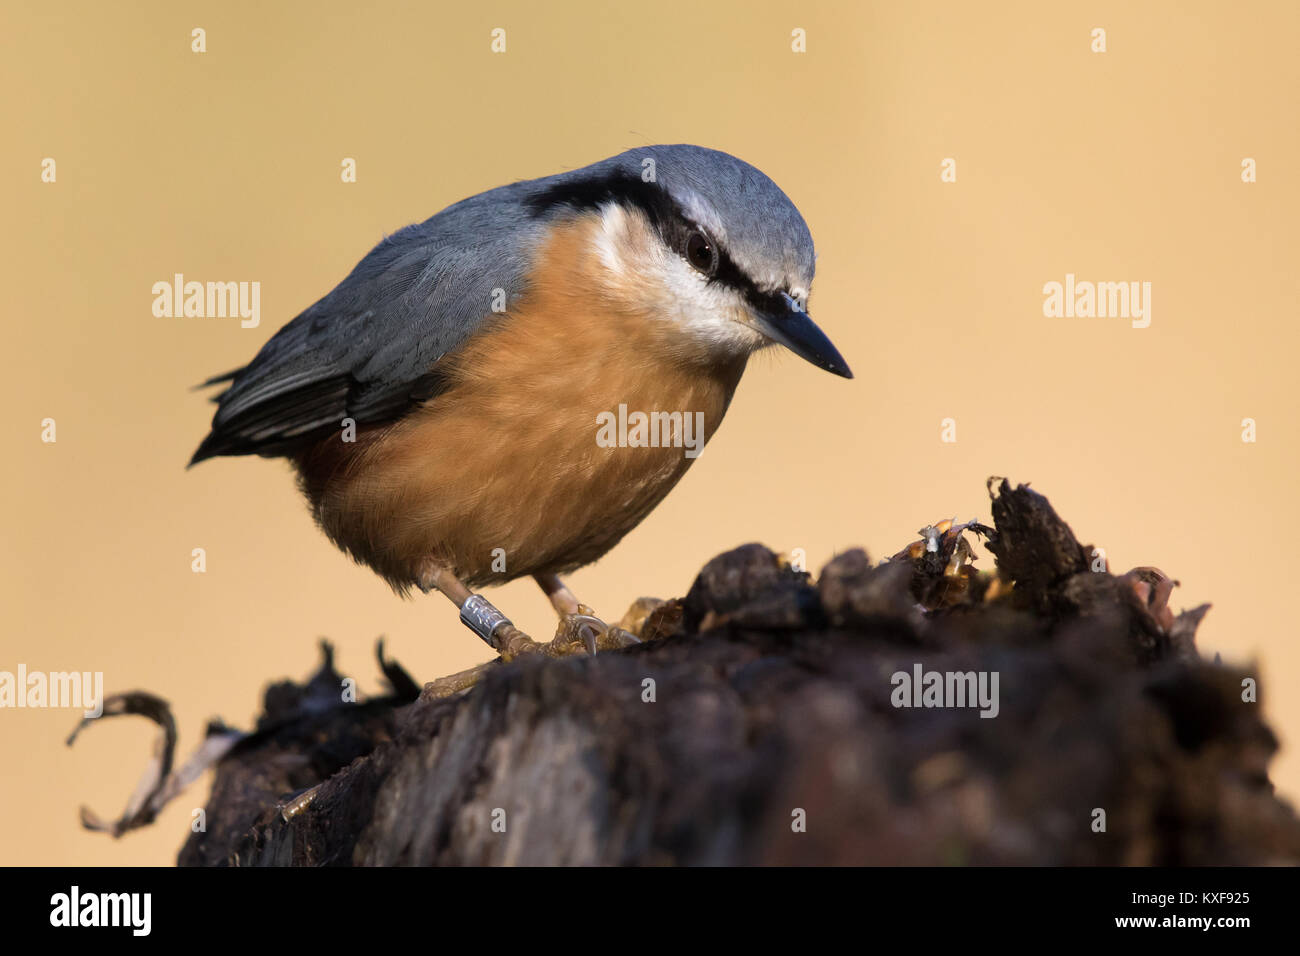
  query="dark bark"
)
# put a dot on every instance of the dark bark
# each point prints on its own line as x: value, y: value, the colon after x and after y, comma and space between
x: 773, y: 695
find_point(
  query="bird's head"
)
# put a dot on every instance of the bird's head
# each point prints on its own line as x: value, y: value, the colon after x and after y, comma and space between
x: 698, y: 238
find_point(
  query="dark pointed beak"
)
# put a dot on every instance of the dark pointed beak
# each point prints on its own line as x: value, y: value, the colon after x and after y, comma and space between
x: 786, y: 322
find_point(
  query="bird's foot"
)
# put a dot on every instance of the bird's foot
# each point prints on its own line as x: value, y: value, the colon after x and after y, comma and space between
x: 593, y: 633
x: 580, y: 633
x: 453, y: 684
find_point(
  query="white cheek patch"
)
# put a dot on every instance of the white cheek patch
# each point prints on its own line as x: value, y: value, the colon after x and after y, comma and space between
x: 710, y: 311
x: 612, y: 239
x: 665, y: 284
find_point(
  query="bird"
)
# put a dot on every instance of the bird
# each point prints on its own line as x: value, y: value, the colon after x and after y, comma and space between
x: 440, y: 405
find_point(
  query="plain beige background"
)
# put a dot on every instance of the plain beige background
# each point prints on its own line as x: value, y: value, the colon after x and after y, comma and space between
x: 225, y: 166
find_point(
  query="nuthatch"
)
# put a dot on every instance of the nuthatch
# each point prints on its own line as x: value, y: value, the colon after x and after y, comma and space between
x: 441, y: 403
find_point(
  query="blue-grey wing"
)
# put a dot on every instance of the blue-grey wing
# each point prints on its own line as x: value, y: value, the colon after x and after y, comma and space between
x: 370, y: 348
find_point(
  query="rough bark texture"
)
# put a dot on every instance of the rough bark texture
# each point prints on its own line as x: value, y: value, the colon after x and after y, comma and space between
x: 774, y: 704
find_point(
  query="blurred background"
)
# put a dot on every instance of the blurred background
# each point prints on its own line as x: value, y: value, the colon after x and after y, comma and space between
x: 225, y: 165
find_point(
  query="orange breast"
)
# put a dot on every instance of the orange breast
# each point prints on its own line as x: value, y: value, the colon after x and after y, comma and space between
x: 505, y: 472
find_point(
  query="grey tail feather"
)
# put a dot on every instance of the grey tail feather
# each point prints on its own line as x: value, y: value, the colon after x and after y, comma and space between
x: 218, y: 379
x: 208, y: 448
x: 214, y: 444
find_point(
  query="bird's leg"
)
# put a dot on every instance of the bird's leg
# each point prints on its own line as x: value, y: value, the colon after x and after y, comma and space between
x: 594, y: 633
x: 478, y: 614
x: 562, y: 599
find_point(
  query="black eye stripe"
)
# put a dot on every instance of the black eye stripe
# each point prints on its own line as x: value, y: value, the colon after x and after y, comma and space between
x: 664, y: 214
x: 619, y: 186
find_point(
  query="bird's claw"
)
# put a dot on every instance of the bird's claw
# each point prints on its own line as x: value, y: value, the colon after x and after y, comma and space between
x: 587, y: 633
x: 589, y: 629
x: 580, y: 633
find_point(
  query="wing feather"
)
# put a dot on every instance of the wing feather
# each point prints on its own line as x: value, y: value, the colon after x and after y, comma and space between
x: 369, y: 349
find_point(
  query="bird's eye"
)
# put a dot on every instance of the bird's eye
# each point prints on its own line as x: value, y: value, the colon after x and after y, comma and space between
x: 701, y: 252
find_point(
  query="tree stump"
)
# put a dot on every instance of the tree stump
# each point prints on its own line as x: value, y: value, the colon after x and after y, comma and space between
x: 763, y: 721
